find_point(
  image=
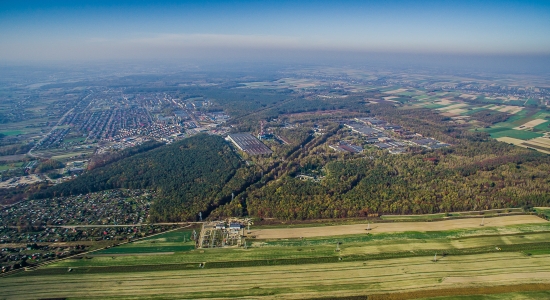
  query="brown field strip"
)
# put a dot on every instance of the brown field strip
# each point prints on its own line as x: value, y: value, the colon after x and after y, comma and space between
x: 538, y: 143
x: 281, y: 233
x: 292, y: 281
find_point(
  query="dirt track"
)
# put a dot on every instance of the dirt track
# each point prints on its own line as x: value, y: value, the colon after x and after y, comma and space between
x: 283, y: 233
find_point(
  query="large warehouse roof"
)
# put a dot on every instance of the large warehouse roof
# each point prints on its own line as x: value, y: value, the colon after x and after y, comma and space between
x: 248, y: 143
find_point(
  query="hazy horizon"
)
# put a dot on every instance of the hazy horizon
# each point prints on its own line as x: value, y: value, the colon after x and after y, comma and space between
x: 88, y: 31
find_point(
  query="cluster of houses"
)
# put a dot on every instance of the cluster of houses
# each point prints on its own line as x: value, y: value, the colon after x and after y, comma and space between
x: 114, y: 207
x: 154, y: 131
x: 12, y: 258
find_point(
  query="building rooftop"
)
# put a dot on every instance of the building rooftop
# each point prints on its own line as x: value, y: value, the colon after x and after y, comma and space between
x: 249, y: 144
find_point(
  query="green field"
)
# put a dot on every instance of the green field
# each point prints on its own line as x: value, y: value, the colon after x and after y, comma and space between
x: 14, y: 165
x: 499, y: 296
x: 543, y: 210
x: 377, y: 265
x: 518, y: 134
x: 75, y: 139
x: 434, y: 106
x: 352, y: 247
x: 543, y: 127
x: 175, y: 241
x: 291, y: 281
x: 12, y: 132
x: 429, y: 217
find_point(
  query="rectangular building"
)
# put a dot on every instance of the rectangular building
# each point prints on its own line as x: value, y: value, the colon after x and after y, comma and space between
x: 248, y: 143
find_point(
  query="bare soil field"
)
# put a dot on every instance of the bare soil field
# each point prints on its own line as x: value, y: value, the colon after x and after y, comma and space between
x: 541, y: 141
x: 286, y: 233
x: 506, y: 108
x: 468, y: 96
x: 541, y: 144
x: 396, y: 91
x: 444, y: 102
x: 30, y: 179
x: 530, y: 124
x: 452, y: 107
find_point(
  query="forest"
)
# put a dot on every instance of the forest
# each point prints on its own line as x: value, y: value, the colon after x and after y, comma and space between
x: 204, y: 174
x: 476, y: 173
x: 191, y: 176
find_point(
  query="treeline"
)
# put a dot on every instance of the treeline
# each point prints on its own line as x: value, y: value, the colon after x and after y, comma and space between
x: 475, y: 173
x: 295, y: 136
x: 427, y: 122
x: 408, y: 184
x: 249, y: 122
x: 108, y: 158
x: 190, y: 176
x: 490, y: 117
x: 15, y: 149
x: 48, y: 165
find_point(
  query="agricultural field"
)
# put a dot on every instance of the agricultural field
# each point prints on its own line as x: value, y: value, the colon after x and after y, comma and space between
x: 440, y: 216
x: 543, y: 210
x: 497, y: 296
x: 174, y: 241
x: 530, y: 124
x: 509, y: 256
x: 299, y: 253
x: 526, y: 127
x: 11, y: 165
x: 392, y: 227
x: 293, y: 281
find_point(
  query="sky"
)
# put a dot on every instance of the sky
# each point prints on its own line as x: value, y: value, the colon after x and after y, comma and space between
x: 238, y: 30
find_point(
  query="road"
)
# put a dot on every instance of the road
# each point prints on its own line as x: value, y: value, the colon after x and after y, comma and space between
x: 53, y: 128
x: 87, y: 252
x: 46, y: 136
x: 115, y: 225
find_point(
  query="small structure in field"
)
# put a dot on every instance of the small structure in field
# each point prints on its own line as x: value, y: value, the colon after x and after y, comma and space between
x: 226, y: 233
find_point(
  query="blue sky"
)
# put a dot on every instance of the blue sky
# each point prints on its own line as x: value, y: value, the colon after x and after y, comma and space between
x: 96, y: 30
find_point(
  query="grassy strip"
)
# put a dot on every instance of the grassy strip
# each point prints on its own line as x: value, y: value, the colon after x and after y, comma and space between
x: 544, y: 211
x: 530, y: 290
x: 536, y: 146
x: 525, y: 248
x: 146, y: 249
x: 470, y: 291
x: 409, y: 235
x: 501, y: 212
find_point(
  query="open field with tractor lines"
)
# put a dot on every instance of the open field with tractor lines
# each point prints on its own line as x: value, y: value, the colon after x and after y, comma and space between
x: 509, y: 254
x: 338, y: 279
x: 392, y: 227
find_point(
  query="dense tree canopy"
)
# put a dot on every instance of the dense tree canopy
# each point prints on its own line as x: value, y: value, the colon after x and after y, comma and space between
x: 475, y: 173
x: 190, y: 176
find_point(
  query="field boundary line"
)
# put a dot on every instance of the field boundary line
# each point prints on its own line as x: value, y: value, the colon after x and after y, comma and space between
x: 30, y: 269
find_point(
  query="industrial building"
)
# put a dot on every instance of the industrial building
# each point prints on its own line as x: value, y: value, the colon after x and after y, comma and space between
x: 248, y: 144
